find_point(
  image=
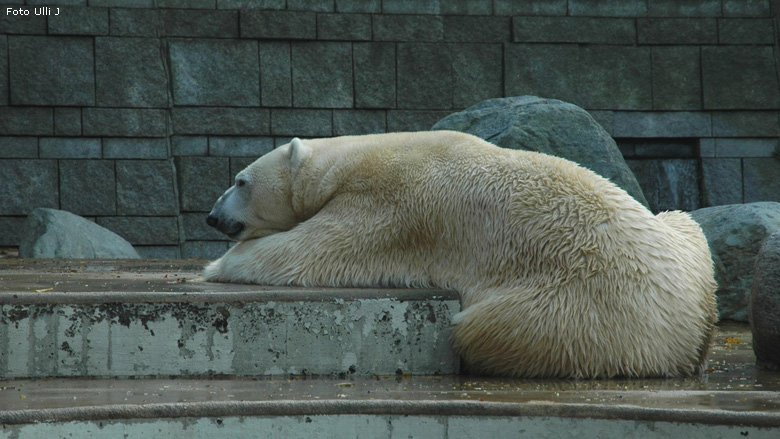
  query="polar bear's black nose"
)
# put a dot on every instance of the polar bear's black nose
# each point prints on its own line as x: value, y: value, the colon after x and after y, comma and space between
x: 212, y: 220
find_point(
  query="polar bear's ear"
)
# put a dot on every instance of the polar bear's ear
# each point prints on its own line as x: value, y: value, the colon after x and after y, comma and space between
x: 298, y: 153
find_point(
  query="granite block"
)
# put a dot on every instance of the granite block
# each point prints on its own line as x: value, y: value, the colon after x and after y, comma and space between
x: 252, y: 4
x: 677, y: 31
x: 187, y: 4
x: 28, y: 184
x: 662, y: 124
x: 18, y: 147
x: 746, y: 31
x: 414, y: 120
x: 158, y: 251
x: 529, y: 29
x: 128, y: 148
x: 238, y: 164
x: 283, y: 25
x: 67, y: 121
x: 357, y: 122
x: 79, y: 21
x: 721, y: 181
x: 302, y: 122
x: 51, y: 70
x: 322, y: 75
x: 240, y: 146
x: 26, y: 121
x: 408, y: 28
x: 310, y: 5
x: 69, y: 148
x: 221, y: 121
x: 592, y: 76
x: 199, y: 23
x: 676, y: 78
x: 88, y: 187
x: 123, y: 3
x: 190, y: 145
x: 684, y: 8
x: 424, y: 76
x: 145, y: 187
x: 3, y: 70
x: 477, y: 73
x: 531, y: 7
x: 608, y: 8
x: 475, y: 29
x: 202, y: 180
x: 196, y: 229
x: 739, y: 78
x: 11, y: 230
x: 124, y: 122
x: 745, y: 124
x: 746, y: 8
x: 134, y: 22
x: 130, y: 72
x: 746, y: 148
x: 465, y: 7
x: 352, y: 6
x: 143, y: 230
x: 215, y: 72
x: 275, y: 74
x: 17, y: 22
x: 349, y: 27
x: 760, y: 179
x: 411, y: 7
x: 375, y: 75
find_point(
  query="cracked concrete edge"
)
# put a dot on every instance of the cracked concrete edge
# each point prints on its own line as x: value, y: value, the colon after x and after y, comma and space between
x: 206, y: 296
x: 392, y: 407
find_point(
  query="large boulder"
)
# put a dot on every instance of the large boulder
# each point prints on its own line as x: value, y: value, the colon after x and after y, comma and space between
x: 548, y: 126
x: 735, y: 233
x: 51, y: 233
x: 764, y: 304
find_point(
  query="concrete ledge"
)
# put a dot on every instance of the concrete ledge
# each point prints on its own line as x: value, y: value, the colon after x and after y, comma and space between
x: 390, y: 407
x: 150, y: 319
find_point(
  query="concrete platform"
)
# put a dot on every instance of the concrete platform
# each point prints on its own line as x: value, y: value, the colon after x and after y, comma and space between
x: 70, y: 318
x: 732, y: 398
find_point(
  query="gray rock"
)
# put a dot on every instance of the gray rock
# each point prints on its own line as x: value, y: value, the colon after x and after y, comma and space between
x: 548, y: 126
x: 735, y: 233
x: 764, y: 304
x: 51, y: 233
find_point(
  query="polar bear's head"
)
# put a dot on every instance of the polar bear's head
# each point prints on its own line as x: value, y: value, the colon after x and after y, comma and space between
x: 260, y: 201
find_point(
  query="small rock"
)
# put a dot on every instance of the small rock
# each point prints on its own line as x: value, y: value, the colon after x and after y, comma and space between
x: 548, y: 126
x: 764, y: 305
x: 51, y: 233
x: 735, y: 233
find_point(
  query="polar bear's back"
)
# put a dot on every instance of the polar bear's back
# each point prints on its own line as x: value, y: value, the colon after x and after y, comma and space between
x: 561, y: 272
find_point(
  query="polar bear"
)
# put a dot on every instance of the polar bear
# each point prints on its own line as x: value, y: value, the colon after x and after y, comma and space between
x: 561, y: 273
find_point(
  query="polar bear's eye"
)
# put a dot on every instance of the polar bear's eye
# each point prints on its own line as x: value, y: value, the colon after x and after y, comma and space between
x: 240, y: 182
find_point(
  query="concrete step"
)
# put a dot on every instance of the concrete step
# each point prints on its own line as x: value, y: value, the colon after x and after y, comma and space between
x: 386, y: 407
x: 75, y: 318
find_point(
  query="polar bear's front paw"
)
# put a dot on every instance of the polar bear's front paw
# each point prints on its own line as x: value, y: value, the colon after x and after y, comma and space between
x: 213, y: 271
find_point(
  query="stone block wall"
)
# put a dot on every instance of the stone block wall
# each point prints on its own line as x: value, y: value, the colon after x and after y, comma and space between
x: 138, y: 113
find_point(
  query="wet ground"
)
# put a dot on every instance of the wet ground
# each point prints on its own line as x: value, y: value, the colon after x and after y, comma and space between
x: 731, y: 381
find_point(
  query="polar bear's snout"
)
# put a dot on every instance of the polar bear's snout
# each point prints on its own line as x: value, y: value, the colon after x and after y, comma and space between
x: 220, y: 220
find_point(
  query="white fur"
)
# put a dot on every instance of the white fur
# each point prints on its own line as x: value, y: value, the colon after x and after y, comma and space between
x: 561, y: 273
